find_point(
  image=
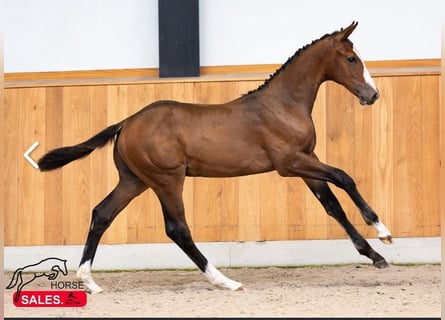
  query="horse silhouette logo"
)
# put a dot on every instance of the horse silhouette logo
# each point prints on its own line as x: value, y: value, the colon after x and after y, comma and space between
x: 22, y: 276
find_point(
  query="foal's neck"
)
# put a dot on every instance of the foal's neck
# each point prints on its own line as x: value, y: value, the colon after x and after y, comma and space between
x: 298, y: 84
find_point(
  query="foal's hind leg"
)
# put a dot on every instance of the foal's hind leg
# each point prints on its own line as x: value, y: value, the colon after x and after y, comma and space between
x: 177, y: 230
x: 128, y: 187
x: 324, y: 194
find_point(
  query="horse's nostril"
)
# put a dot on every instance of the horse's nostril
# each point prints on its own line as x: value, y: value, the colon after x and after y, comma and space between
x: 375, y: 96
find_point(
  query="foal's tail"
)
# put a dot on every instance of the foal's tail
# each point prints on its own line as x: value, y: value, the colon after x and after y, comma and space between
x: 61, y: 156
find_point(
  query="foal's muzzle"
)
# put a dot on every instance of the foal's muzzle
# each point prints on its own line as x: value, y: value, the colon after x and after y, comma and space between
x: 370, y: 100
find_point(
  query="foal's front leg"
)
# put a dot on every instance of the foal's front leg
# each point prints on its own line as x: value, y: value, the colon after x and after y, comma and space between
x: 309, y: 167
x: 326, y: 197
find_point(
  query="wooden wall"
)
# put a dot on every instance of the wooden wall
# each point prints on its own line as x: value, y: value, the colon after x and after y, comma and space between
x: 391, y: 150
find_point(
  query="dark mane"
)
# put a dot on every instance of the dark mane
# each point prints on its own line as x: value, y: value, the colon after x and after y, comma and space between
x: 290, y: 60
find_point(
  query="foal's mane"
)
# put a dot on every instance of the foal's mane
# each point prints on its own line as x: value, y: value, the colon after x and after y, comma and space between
x: 291, y: 60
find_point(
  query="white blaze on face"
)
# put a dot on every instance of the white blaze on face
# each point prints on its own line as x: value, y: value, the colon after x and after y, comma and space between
x: 366, y: 74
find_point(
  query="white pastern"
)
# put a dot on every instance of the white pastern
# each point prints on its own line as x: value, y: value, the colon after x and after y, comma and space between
x: 366, y: 74
x: 218, y: 279
x: 84, y: 274
x: 383, y: 233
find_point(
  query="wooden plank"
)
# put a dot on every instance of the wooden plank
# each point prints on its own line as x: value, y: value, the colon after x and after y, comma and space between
x: 430, y: 153
x: 141, y: 75
x: 31, y: 199
x: 11, y: 114
x: 340, y: 146
x: 297, y: 192
x: 207, y: 214
x: 407, y: 138
x: 382, y: 152
x: 273, y: 206
x: 441, y: 176
x: 362, y: 162
x: 249, y: 209
x: 230, y: 209
x: 76, y: 176
x: 53, y: 211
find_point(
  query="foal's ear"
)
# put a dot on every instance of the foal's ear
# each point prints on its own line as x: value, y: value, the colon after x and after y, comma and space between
x: 344, y: 34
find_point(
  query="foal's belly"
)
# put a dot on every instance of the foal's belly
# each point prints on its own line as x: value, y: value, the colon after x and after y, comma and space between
x: 227, y: 167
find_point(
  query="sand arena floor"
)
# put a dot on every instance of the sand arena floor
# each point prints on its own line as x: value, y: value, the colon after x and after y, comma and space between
x: 346, y: 290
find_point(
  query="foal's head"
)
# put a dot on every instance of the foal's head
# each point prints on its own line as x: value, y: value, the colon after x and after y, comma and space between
x: 348, y: 69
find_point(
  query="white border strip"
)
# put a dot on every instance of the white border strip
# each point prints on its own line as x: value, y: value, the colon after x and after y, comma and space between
x: 229, y: 254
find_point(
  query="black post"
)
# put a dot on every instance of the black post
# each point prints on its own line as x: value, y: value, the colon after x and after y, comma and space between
x: 178, y: 38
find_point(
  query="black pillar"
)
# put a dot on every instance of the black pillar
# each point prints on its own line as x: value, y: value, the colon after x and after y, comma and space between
x: 178, y: 38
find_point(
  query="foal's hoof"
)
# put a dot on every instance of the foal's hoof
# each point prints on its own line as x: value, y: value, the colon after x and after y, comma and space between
x: 94, y: 289
x: 89, y: 285
x: 386, y: 240
x: 381, y: 264
x: 229, y: 284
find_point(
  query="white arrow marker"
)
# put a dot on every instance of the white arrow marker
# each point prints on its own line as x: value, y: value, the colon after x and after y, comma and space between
x: 27, y: 152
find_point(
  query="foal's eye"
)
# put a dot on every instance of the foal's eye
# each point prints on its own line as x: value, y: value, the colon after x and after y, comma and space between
x: 352, y: 59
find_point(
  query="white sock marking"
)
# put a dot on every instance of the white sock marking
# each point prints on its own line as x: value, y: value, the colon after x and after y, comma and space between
x: 383, y: 232
x: 218, y: 279
x: 84, y: 274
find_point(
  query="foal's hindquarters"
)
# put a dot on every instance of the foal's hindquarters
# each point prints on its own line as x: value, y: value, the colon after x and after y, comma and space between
x: 168, y: 188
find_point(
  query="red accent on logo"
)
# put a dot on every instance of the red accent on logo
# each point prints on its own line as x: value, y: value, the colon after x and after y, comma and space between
x: 35, y: 299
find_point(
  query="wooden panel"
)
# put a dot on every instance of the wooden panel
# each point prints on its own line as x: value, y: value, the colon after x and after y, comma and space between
x: 142, y: 75
x: 53, y: 211
x: 273, y: 206
x: 11, y: 158
x: 76, y: 178
x: 249, y: 208
x: 391, y: 149
x: 430, y: 150
x: 340, y: 145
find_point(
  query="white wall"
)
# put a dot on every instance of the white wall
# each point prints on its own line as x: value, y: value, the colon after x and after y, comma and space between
x: 230, y: 254
x: 47, y: 35
x: 51, y: 35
